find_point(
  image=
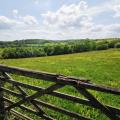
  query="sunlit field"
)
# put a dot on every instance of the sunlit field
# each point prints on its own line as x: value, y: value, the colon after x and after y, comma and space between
x: 100, y: 67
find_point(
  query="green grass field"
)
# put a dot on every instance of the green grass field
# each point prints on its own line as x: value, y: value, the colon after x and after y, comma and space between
x: 101, y: 67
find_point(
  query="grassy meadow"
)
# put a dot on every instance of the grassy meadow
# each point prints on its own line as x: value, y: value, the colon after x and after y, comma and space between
x: 100, y: 67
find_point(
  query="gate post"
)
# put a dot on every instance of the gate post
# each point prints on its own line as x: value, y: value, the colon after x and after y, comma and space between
x: 2, y: 105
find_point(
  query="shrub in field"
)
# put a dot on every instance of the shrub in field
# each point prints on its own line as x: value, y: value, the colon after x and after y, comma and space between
x: 58, y: 49
x: 102, y: 47
x: 68, y: 49
x: 84, y: 46
x: 111, y: 44
x: 49, y: 50
x: 8, y: 52
x: 117, y: 45
x: 22, y: 52
x: 38, y: 52
x: 79, y: 48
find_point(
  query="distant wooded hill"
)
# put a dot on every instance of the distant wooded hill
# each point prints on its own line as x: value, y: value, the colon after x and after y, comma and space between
x: 29, y: 42
x: 25, y: 42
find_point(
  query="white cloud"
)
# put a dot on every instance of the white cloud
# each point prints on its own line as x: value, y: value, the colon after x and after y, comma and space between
x: 77, y: 20
x: 18, y: 23
x: 116, y: 9
x: 7, y: 23
x: 114, y: 28
x: 74, y: 15
x: 68, y: 22
x: 30, y: 20
x: 97, y: 28
x: 79, y: 15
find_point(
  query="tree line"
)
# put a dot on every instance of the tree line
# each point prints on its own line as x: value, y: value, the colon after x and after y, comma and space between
x: 59, y: 48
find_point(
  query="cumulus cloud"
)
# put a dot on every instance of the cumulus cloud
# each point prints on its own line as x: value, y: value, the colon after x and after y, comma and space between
x: 97, y: 28
x: 116, y: 9
x: 114, y: 28
x: 70, y: 21
x: 7, y: 23
x: 78, y: 20
x: 20, y: 22
x: 74, y: 15
x: 30, y: 20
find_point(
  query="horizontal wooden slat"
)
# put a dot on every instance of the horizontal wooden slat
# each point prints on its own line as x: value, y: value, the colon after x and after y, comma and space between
x: 67, y: 97
x: 19, y: 115
x: 36, y: 95
x: 58, y: 94
x: 11, y: 92
x: 72, y: 114
x: 29, y: 73
x: 59, y: 78
x: 91, y: 86
x: 66, y: 112
x: 28, y: 109
x: 54, y: 93
x: 21, y: 84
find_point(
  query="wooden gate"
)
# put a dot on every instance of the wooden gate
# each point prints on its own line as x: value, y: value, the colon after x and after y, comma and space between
x: 82, y: 86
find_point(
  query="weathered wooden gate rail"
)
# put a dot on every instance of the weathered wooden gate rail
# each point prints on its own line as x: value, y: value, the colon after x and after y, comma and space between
x: 60, y: 81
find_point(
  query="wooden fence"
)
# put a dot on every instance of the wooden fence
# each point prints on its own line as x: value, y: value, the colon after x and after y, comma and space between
x: 82, y: 86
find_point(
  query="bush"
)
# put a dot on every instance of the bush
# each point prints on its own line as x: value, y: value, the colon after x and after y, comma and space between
x: 68, y: 49
x: 58, y: 50
x: 117, y: 45
x: 102, y: 47
x: 22, y: 52
x: 49, y: 50
x: 111, y: 44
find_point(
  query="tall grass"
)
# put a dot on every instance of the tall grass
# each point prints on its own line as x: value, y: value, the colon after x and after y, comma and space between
x: 101, y: 67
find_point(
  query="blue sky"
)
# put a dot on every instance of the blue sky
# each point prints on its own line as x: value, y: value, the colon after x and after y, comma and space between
x: 59, y: 19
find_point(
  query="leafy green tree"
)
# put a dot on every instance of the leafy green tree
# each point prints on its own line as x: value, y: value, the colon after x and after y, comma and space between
x: 102, y: 47
x: 117, y: 45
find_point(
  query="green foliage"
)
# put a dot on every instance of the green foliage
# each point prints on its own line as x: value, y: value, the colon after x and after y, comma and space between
x: 68, y: 49
x: 49, y: 50
x: 22, y: 52
x: 21, y: 43
x: 36, y: 48
x: 117, y: 45
x: 58, y: 50
x: 102, y: 47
